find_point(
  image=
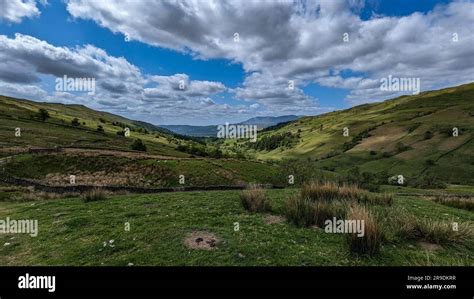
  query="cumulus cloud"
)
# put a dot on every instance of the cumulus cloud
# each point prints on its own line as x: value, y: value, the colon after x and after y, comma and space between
x: 121, y: 86
x: 302, y: 40
x: 13, y: 11
x: 322, y: 42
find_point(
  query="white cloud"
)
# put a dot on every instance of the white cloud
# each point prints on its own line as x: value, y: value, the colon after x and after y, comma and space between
x: 120, y: 86
x: 302, y: 40
x: 13, y: 11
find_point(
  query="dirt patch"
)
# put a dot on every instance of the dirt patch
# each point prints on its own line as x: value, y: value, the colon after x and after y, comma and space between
x: 201, y: 240
x: 273, y: 219
x: 382, y: 138
x: 429, y: 246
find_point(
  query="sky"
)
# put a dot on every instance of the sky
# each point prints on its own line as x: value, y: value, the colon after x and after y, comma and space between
x: 208, y: 62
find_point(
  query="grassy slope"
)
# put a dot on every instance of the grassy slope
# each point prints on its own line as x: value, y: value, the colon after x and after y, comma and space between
x: 141, y: 171
x: 393, y: 120
x: 72, y: 232
x: 16, y: 113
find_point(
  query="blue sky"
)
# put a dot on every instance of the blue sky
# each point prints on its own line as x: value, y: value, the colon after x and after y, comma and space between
x: 319, y: 89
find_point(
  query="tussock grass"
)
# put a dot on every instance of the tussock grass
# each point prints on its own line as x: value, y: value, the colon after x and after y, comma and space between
x: 303, y: 212
x: 466, y: 203
x: 329, y: 191
x: 368, y: 244
x: 434, y: 231
x: 95, y: 194
x: 299, y: 211
x: 254, y: 199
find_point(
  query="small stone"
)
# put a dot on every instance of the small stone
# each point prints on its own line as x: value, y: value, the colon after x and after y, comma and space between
x: 130, y: 264
x: 6, y: 244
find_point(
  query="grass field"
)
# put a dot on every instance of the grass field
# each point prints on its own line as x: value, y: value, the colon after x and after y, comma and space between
x: 140, y: 170
x: 72, y: 232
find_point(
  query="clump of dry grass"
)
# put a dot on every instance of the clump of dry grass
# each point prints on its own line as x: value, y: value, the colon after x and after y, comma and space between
x: 438, y: 232
x: 304, y: 212
x: 329, y: 191
x: 299, y: 210
x: 94, y: 195
x: 368, y: 244
x: 466, y: 203
x: 254, y: 199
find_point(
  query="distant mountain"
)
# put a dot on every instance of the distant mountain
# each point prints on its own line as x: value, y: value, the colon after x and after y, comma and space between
x: 195, y: 131
x: 267, y: 121
x: 262, y: 122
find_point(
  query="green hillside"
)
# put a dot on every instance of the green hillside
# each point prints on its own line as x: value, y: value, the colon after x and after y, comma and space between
x: 58, y: 130
x: 409, y: 135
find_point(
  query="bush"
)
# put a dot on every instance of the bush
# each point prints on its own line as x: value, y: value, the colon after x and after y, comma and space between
x: 75, y: 122
x: 43, y: 114
x: 254, y: 199
x: 138, y: 145
x: 94, y: 195
x: 428, y: 182
x: 428, y: 135
x: 369, y: 244
x: 100, y: 128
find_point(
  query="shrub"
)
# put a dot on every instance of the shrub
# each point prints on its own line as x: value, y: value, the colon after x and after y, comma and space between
x: 428, y: 135
x: 428, y: 181
x: 100, y: 128
x: 138, y: 145
x: 43, y: 114
x: 75, y: 122
x: 254, y: 199
x: 369, y: 243
x: 94, y: 195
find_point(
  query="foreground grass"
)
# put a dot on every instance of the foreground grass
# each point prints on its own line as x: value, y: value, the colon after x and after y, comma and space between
x: 72, y: 232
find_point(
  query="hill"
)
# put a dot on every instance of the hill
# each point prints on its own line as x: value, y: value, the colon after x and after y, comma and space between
x: 429, y: 134
x: 92, y: 129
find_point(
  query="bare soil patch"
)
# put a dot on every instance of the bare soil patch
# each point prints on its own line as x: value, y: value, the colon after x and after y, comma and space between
x: 201, y: 240
x: 273, y: 219
x: 429, y: 246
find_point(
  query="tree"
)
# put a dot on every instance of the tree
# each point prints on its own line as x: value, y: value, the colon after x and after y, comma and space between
x: 138, y: 145
x: 75, y: 122
x: 43, y: 114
